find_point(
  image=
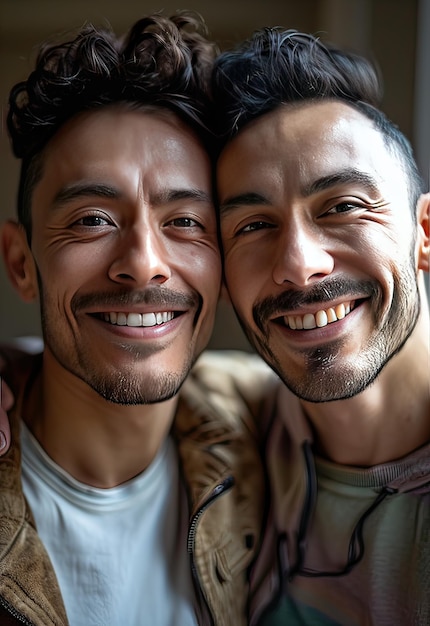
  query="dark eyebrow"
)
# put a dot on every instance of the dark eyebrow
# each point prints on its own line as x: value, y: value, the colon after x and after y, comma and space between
x: 347, y: 176
x: 84, y: 190
x: 244, y: 199
x: 172, y: 195
x: 101, y: 190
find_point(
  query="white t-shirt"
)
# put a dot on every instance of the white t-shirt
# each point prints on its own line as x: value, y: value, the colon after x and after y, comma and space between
x: 119, y: 554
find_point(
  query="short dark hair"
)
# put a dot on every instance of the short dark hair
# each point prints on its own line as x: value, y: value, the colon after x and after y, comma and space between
x: 161, y: 62
x: 400, y: 147
x: 276, y: 67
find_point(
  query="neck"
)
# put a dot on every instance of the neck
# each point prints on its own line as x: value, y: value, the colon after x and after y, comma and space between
x: 99, y: 443
x: 389, y: 419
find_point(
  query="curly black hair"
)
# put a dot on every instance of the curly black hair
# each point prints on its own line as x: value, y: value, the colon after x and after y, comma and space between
x: 162, y: 61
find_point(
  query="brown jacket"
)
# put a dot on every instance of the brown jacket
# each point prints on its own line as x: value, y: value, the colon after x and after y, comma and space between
x: 220, y: 461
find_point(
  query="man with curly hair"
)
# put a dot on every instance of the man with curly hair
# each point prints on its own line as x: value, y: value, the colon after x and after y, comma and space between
x: 136, y: 504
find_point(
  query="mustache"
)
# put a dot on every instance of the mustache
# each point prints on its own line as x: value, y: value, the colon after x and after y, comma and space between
x: 160, y: 297
x: 323, y: 292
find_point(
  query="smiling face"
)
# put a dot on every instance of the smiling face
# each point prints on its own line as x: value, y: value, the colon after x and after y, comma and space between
x: 125, y: 245
x: 319, y: 244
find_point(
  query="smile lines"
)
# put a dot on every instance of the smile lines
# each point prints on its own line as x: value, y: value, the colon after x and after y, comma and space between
x: 138, y: 319
x: 320, y: 319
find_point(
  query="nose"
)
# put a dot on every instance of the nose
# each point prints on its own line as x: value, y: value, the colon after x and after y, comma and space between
x: 301, y: 256
x: 141, y: 257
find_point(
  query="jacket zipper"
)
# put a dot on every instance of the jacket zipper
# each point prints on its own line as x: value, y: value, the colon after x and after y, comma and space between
x: 12, y: 611
x: 308, y: 507
x: 285, y: 572
x: 219, y: 490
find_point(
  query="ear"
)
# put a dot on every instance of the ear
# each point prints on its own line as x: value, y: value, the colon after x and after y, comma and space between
x: 423, y: 238
x: 19, y: 261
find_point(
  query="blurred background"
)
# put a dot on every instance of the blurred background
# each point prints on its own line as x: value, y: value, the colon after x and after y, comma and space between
x: 394, y: 33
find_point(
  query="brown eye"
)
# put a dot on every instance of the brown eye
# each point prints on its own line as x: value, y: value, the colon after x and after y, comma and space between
x: 254, y: 226
x: 185, y: 222
x: 343, y: 207
x: 92, y: 221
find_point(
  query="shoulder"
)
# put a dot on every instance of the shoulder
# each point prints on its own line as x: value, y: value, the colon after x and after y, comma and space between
x: 231, y: 387
x: 234, y: 371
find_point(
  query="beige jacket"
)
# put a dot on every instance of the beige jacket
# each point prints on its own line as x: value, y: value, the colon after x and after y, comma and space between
x: 220, y: 461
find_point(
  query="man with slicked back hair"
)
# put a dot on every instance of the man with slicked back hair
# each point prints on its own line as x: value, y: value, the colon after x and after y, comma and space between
x: 325, y: 234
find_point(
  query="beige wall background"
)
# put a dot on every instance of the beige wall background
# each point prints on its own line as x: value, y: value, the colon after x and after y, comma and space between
x: 395, y: 33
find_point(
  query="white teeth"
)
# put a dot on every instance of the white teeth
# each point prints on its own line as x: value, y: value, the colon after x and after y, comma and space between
x: 340, y: 311
x: 309, y: 321
x: 134, y: 319
x: 121, y: 319
x: 320, y: 319
x: 331, y: 315
x: 137, y: 319
x: 148, y: 319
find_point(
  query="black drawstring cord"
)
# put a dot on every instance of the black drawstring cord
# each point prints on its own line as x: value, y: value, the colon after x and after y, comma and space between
x: 354, y: 556
x: 356, y: 543
x: 308, y: 506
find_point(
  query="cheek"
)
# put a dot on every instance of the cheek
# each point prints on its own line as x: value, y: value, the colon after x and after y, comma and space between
x: 243, y: 290
x: 63, y: 272
x: 62, y: 255
x: 201, y: 269
x: 202, y: 273
x: 379, y: 256
x: 211, y: 283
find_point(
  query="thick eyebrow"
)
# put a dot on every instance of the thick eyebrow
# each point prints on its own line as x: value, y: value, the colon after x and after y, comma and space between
x: 172, y: 195
x: 84, y: 190
x: 347, y: 176
x: 244, y: 199
x: 101, y: 190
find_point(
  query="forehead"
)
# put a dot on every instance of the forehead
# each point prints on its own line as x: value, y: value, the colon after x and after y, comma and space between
x: 130, y: 144
x: 300, y: 143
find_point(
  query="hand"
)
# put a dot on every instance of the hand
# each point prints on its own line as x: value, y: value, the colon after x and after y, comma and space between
x: 6, y: 403
x: 17, y: 360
